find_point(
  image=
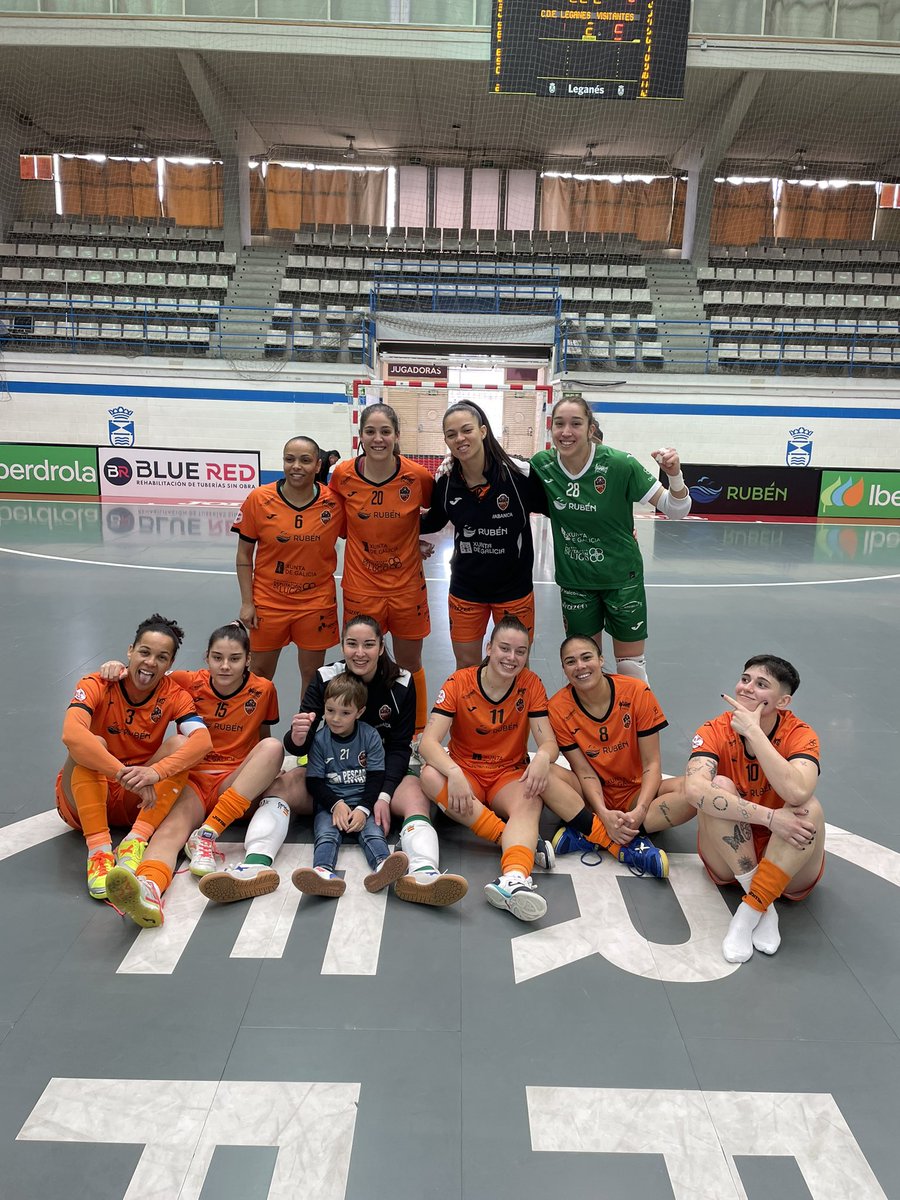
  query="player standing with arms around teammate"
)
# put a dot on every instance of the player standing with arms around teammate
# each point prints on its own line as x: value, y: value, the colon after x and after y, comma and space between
x: 489, y: 497
x: 592, y: 489
x: 486, y: 781
x: 238, y: 709
x: 121, y: 769
x: 382, y: 493
x: 286, y: 560
x: 390, y: 711
x: 751, y: 778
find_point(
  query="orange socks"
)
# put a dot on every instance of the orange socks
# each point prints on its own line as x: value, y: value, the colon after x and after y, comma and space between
x: 167, y: 792
x: 489, y: 826
x: 230, y: 806
x: 766, y: 886
x: 418, y: 678
x: 90, y: 791
x: 157, y: 871
x: 600, y: 837
x: 517, y: 860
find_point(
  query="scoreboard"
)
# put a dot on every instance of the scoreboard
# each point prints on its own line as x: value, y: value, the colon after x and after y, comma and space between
x: 629, y: 50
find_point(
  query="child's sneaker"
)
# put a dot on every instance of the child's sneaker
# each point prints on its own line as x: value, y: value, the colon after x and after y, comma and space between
x: 318, y: 881
x: 388, y: 871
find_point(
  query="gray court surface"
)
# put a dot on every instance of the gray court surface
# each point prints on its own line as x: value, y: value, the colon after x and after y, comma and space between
x: 369, y: 1048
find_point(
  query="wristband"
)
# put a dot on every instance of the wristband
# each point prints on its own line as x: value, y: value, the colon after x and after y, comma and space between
x: 385, y: 797
x: 676, y: 482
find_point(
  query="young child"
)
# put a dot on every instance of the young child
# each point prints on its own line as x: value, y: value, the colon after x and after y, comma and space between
x: 344, y: 777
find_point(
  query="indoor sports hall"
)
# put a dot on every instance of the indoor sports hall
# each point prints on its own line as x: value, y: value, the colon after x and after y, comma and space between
x: 220, y: 229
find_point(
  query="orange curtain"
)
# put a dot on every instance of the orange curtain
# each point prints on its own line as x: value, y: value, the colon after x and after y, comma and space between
x: 194, y: 194
x: 643, y: 210
x: 741, y: 214
x: 108, y: 189
x: 297, y: 196
x: 257, y: 202
x: 830, y: 214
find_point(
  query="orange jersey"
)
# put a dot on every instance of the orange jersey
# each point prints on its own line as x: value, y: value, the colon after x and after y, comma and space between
x: 234, y: 722
x: 296, y: 555
x: 382, y: 551
x: 609, y: 743
x: 791, y: 737
x: 132, y: 732
x: 490, y: 735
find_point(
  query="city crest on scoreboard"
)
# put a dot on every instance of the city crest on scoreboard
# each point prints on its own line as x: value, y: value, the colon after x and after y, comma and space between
x: 121, y: 426
x: 799, y: 447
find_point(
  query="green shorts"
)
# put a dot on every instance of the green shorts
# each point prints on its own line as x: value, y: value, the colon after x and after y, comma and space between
x: 622, y: 612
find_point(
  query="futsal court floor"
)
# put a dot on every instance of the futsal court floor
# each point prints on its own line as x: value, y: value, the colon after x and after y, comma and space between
x: 304, y: 1049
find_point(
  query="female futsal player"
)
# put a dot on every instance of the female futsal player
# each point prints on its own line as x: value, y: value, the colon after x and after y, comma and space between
x: 382, y: 493
x: 488, y: 497
x: 390, y: 710
x: 239, y: 709
x: 286, y: 561
x: 592, y: 489
x: 121, y: 769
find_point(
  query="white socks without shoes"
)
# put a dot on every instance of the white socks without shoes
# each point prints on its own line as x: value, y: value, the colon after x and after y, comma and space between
x: 750, y: 929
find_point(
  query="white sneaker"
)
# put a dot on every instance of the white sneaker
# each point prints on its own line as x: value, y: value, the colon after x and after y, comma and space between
x: 388, y: 871
x: 201, y: 850
x: 517, y: 895
x: 243, y: 881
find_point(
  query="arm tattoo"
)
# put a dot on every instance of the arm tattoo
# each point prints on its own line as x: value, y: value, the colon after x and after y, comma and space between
x: 720, y: 802
x: 742, y: 833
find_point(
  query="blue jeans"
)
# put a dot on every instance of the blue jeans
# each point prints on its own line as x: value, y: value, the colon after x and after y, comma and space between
x: 329, y: 837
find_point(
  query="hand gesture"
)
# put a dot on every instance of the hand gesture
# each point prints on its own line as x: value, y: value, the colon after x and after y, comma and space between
x: 382, y: 814
x: 357, y: 820
x: 340, y: 816
x: 620, y: 826
x: 301, y: 724
x: 426, y: 549
x: 460, y: 798
x: 536, y: 775
x: 136, y: 778
x: 667, y: 458
x: 743, y: 721
x: 113, y: 671
x: 248, y: 615
x: 793, y: 825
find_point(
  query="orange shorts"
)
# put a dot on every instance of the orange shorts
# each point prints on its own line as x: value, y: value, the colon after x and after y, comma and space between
x: 122, y: 807
x: 206, y: 785
x: 621, y: 799
x: 760, y: 844
x: 485, y: 785
x: 405, y: 615
x: 469, y: 621
x: 313, y: 629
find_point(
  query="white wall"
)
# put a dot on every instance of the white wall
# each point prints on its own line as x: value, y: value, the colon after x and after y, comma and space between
x: 708, y: 418
x: 215, y: 405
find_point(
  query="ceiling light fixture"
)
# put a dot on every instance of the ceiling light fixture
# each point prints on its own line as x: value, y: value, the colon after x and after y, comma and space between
x: 798, y: 166
x: 350, y: 153
x: 589, y: 160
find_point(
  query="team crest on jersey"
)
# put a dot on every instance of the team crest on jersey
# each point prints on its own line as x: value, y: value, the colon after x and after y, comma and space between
x: 696, y: 741
x: 626, y: 720
x: 520, y: 705
x: 599, y: 484
x: 79, y: 694
x: 156, y: 715
x: 384, y: 712
x: 250, y: 706
x: 361, y: 758
x: 405, y: 493
x: 326, y: 516
x: 503, y: 502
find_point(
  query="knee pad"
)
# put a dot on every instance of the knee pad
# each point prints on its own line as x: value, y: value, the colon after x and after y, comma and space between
x: 268, y: 827
x: 635, y: 667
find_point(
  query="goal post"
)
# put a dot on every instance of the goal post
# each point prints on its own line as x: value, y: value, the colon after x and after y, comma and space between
x: 518, y: 413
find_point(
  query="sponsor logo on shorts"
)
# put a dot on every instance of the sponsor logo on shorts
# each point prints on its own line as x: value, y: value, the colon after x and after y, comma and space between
x: 599, y: 484
x: 405, y: 494
x: 503, y: 502
x: 696, y: 741
x: 250, y: 706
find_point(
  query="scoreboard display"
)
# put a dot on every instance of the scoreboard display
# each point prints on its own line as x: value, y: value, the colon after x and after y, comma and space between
x: 631, y: 50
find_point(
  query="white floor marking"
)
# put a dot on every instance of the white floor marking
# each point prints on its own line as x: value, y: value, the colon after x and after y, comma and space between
x: 604, y: 926
x: 88, y: 562
x: 700, y: 1133
x: 180, y: 1123
x: 31, y: 831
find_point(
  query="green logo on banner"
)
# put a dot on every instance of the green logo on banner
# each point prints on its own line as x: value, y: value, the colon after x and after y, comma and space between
x: 860, y: 494
x: 61, y: 470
